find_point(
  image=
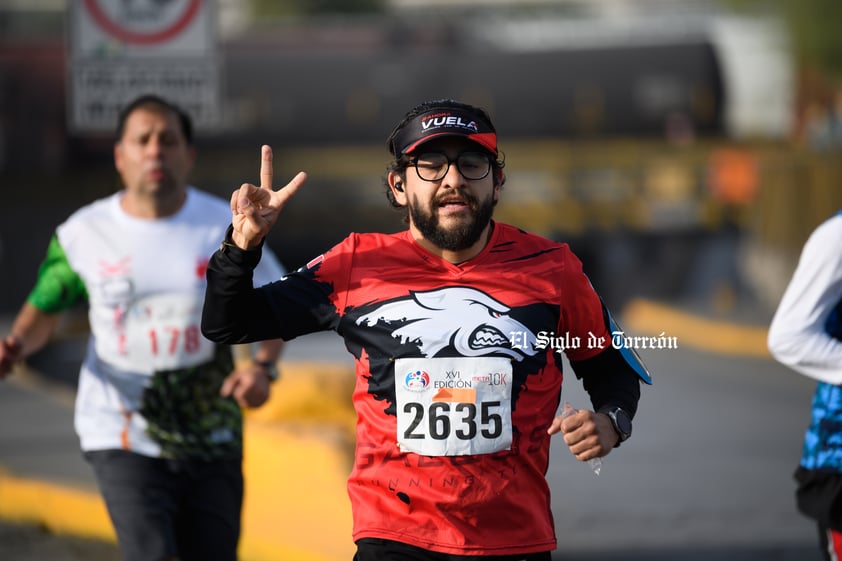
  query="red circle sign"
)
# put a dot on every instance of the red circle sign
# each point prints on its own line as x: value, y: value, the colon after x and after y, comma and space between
x: 138, y: 38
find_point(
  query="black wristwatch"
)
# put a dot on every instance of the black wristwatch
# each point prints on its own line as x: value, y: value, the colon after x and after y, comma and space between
x: 621, y: 421
x: 270, y: 367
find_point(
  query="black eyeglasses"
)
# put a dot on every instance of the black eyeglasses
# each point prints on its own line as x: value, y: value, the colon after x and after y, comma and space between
x: 433, y: 166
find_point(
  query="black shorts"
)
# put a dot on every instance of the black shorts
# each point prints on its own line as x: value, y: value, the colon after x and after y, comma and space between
x: 375, y: 549
x: 819, y: 496
x: 160, y: 509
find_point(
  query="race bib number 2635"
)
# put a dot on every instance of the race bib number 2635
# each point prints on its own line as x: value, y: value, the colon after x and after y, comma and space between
x: 454, y: 406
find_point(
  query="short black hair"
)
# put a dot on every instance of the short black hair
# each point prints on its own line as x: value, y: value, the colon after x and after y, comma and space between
x: 161, y: 104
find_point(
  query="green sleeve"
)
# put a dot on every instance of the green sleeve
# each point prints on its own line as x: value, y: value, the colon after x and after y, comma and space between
x: 58, y: 286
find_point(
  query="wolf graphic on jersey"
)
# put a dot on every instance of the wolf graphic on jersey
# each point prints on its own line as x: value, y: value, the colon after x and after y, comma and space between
x: 445, y: 322
x: 466, y: 319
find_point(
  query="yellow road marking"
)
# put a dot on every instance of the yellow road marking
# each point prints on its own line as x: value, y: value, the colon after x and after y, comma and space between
x: 650, y: 318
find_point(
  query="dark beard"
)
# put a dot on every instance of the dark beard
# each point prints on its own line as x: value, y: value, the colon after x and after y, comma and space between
x: 462, y: 237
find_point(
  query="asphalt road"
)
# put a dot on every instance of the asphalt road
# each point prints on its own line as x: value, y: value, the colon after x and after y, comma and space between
x: 706, y: 475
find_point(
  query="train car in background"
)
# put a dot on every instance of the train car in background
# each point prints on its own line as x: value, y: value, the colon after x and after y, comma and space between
x: 612, y: 128
x: 653, y: 77
x: 630, y: 134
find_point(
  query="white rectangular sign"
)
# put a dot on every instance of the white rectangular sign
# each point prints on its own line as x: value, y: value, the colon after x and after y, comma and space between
x: 120, y: 50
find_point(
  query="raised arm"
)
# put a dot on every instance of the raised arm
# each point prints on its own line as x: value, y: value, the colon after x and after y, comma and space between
x: 255, y: 209
x: 798, y: 336
x: 234, y: 312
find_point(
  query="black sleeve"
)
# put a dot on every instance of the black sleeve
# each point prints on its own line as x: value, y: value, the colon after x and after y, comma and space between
x: 609, y: 380
x: 235, y: 312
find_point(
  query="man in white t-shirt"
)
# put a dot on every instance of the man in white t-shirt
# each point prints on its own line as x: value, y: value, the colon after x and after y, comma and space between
x: 158, y: 405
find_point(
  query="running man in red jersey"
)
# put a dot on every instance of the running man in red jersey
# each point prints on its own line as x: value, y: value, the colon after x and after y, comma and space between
x: 457, y: 389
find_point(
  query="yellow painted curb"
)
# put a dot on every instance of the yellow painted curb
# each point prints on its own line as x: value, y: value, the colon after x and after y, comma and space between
x: 296, y: 504
x: 652, y: 319
x: 310, y: 392
x: 59, y: 509
x: 297, y: 454
x: 298, y: 449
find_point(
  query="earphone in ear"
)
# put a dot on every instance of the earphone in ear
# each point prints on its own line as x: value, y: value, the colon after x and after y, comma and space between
x: 398, y: 186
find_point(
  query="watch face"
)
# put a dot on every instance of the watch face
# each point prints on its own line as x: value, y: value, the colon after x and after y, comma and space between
x: 271, y: 369
x: 623, y: 423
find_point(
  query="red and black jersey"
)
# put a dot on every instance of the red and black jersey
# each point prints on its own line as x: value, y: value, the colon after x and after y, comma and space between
x: 458, y: 376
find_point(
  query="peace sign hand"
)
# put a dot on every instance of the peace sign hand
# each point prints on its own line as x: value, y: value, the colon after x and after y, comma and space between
x: 255, y: 209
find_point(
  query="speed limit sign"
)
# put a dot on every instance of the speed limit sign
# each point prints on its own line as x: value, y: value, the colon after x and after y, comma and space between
x: 119, y: 50
x: 143, y: 27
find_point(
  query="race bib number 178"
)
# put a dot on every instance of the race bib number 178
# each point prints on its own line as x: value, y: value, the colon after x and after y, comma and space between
x: 158, y: 332
x: 454, y: 406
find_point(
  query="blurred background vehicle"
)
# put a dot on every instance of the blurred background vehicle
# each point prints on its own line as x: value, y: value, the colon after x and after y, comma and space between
x: 683, y: 145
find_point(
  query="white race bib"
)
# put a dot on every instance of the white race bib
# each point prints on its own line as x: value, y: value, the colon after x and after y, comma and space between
x: 158, y: 332
x: 454, y: 406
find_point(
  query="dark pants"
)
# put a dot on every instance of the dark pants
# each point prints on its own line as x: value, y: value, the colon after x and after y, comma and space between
x: 164, y: 509
x: 371, y: 549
